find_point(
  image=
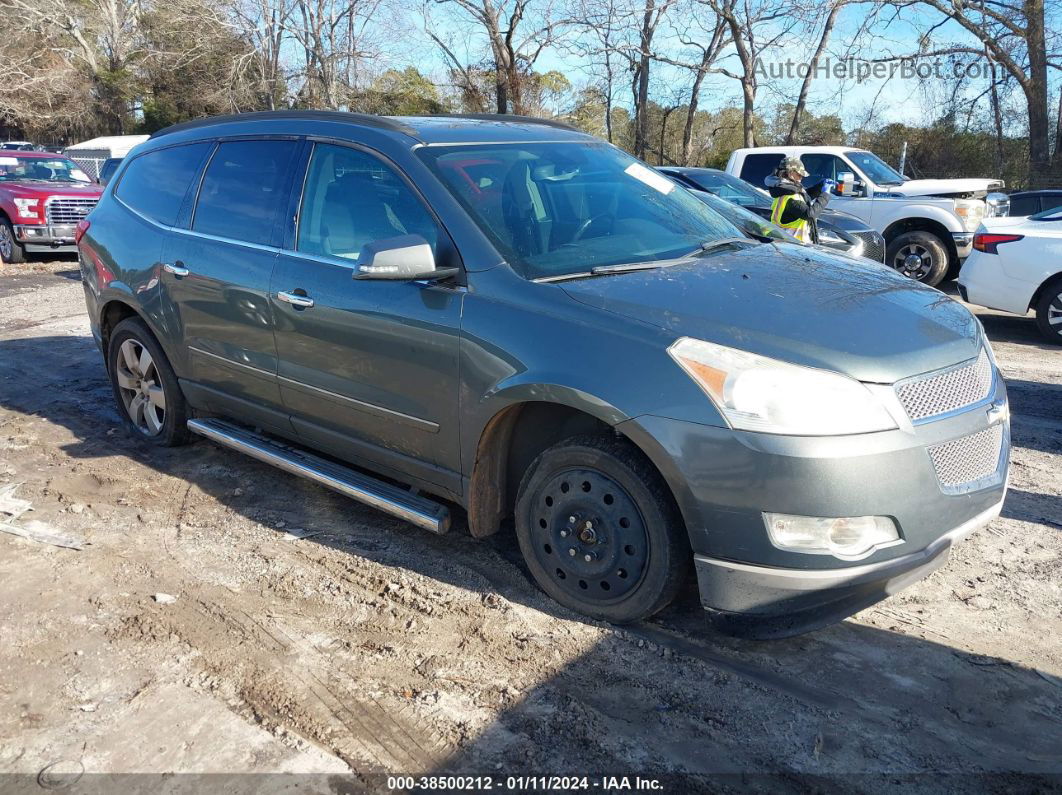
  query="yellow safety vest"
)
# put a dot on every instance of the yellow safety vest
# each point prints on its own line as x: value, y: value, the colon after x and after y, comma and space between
x: 798, y: 228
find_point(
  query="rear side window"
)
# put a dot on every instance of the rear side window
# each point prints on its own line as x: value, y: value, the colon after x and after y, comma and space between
x: 757, y: 168
x: 156, y: 183
x: 243, y: 190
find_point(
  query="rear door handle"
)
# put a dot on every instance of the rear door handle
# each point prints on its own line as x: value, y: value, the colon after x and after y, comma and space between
x: 176, y: 268
x: 295, y: 300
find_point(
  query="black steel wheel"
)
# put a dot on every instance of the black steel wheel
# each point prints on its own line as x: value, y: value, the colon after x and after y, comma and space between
x: 599, y: 530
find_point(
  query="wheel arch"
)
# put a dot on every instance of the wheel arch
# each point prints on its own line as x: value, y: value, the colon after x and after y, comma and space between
x: 1049, y: 282
x: 515, y: 435
x: 923, y: 224
x: 116, y: 308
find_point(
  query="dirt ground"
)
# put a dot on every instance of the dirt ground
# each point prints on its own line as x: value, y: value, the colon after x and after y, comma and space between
x: 312, y: 635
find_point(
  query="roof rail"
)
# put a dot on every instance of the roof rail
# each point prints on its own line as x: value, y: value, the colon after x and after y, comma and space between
x: 508, y: 117
x: 362, y: 119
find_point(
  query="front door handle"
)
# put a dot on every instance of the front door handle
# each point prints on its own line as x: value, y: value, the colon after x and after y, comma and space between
x: 176, y: 268
x: 295, y: 300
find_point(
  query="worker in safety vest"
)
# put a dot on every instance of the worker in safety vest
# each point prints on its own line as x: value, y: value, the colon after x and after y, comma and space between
x: 795, y: 207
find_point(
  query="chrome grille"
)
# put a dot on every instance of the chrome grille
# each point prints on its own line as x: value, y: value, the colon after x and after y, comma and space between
x: 962, y: 464
x: 69, y: 209
x: 930, y: 395
x: 873, y: 244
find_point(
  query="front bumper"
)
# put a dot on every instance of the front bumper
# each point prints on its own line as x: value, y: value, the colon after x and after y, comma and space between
x: 963, y: 243
x: 46, y: 236
x: 774, y: 602
x: 724, y: 481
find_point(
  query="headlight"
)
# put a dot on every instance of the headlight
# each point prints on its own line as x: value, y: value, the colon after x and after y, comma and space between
x: 755, y: 393
x: 970, y: 211
x: 27, y: 208
x: 826, y: 236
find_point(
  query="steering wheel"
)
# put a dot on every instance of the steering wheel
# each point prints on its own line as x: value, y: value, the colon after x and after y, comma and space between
x: 585, y: 225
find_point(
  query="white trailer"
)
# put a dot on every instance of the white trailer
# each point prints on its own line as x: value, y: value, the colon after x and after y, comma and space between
x: 90, y: 155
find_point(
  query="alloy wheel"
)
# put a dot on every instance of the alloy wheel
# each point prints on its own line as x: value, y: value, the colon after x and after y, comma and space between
x: 914, y: 261
x: 6, y: 243
x: 589, y: 536
x: 140, y: 387
x: 1054, y: 313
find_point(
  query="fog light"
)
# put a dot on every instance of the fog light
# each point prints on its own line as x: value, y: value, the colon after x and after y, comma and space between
x: 847, y: 537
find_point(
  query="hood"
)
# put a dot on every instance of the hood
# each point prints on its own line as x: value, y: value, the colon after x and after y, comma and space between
x: 799, y: 305
x: 42, y: 190
x: 953, y: 188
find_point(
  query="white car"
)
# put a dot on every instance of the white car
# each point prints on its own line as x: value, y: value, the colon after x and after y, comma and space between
x: 1017, y: 266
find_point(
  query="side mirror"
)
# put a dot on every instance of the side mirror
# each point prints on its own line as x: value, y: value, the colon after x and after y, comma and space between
x: 405, y: 258
x: 846, y: 183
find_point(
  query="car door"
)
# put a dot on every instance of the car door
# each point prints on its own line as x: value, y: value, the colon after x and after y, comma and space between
x: 216, y: 280
x: 825, y: 166
x: 367, y: 369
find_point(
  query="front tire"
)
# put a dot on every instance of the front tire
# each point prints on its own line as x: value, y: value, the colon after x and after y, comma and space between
x: 599, y: 530
x: 146, y: 391
x: 1049, y: 312
x: 10, y: 250
x: 921, y: 256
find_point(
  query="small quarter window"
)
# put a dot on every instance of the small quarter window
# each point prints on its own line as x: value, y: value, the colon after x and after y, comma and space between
x: 156, y: 183
x: 244, y: 189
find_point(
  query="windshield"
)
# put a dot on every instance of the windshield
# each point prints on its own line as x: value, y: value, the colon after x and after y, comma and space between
x: 876, y: 169
x: 41, y: 169
x: 727, y: 187
x: 553, y: 209
x: 749, y: 223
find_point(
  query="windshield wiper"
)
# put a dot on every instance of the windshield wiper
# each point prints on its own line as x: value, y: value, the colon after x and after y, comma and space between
x: 712, y: 245
x: 632, y: 266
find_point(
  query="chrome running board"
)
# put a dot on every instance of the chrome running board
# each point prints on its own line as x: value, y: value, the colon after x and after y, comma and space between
x: 392, y: 500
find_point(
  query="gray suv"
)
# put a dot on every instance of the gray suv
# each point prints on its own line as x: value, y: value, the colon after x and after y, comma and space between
x: 516, y: 318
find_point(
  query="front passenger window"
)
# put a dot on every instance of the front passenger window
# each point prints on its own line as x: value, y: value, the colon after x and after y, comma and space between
x: 351, y: 199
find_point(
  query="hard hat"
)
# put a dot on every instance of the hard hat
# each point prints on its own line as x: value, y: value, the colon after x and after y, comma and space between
x: 793, y: 163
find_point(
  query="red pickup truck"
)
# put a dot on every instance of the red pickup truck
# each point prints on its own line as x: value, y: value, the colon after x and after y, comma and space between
x: 42, y: 198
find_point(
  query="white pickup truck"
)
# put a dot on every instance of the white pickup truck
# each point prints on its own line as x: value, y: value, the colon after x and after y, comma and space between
x: 928, y: 224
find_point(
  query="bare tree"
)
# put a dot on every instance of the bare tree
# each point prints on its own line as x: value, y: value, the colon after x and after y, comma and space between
x: 755, y: 27
x: 833, y: 9
x: 263, y: 24
x: 651, y: 13
x: 600, y: 24
x: 708, y: 47
x: 1013, y: 32
x: 515, y: 37
x: 334, y: 40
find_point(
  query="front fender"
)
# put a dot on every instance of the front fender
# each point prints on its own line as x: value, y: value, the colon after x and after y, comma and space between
x: 945, y: 216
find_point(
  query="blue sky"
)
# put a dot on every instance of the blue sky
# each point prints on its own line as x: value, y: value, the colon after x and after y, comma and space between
x: 909, y: 100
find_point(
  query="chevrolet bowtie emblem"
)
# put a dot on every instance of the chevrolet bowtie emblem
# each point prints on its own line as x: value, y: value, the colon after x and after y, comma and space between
x: 998, y: 412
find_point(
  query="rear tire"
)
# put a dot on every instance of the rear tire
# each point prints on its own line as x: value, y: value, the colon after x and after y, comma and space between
x: 600, y: 531
x: 146, y: 391
x: 921, y: 256
x: 10, y: 250
x: 1049, y: 312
